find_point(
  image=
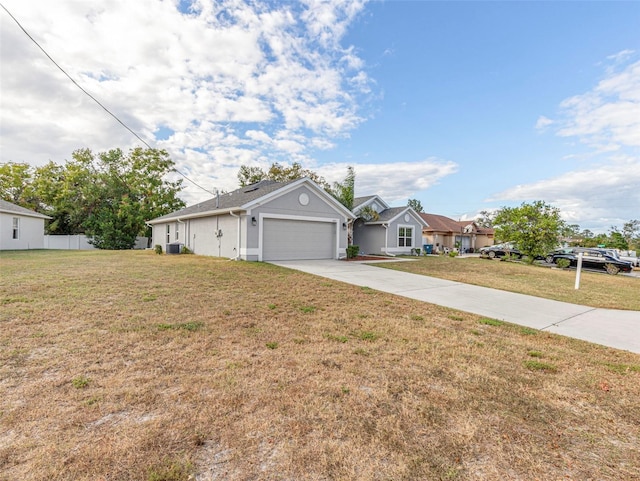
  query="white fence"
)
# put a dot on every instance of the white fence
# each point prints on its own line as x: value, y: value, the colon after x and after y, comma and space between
x: 80, y: 242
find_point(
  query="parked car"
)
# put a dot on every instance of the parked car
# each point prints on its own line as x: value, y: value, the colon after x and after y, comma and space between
x: 500, y: 250
x: 629, y: 256
x: 598, y: 259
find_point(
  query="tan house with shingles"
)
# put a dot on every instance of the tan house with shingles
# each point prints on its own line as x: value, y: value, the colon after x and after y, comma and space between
x: 445, y: 234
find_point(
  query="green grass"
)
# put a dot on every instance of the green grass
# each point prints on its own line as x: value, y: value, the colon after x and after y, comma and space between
x: 596, y: 289
x: 205, y: 381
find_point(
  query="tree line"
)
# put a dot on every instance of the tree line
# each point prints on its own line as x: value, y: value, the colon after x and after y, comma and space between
x: 110, y: 195
x: 107, y: 196
x: 538, y: 228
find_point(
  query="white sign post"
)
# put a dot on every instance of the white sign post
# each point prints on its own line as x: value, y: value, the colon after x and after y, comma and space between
x: 578, y: 269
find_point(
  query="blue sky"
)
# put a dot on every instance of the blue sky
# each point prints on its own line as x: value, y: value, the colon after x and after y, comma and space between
x: 466, y: 106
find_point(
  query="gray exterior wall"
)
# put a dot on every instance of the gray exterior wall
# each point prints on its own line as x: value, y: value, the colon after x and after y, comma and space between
x: 199, y: 234
x: 288, y: 206
x: 370, y: 238
x: 393, y: 236
x: 30, y: 232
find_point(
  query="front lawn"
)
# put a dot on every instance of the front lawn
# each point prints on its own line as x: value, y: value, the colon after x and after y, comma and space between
x: 596, y: 289
x: 134, y: 366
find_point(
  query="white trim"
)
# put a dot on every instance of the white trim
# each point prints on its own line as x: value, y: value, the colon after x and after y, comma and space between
x: 25, y: 214
x: 396, y: 250
x: 375, y: 198
x: 15, y: 228
x: 409, y: 210
x: 320, y: 192
x: 413, y: 235
x: 263, y: 216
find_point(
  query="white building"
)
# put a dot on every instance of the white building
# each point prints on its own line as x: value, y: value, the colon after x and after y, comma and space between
x: 20, y: 228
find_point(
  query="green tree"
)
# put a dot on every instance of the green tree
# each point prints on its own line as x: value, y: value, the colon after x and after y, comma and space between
x: 344, y: 191
x: 416, y: 205
x: 63, y: 192
x: 631, y: 233
x: 368, y: 213
x: 617, y: 241
x: 486, y: 218
x: 16, y: 184
x: 279, y: 173
x: 571, y: 231
x: 128, y: 189
x: 535, y: 228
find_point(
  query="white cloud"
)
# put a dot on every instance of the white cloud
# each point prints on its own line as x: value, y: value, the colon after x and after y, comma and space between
x: 608, y: 116
x: 607, y: 120
x: 589, y: 196
x: 543, y: 122
x: 392, y: 181
x: 236, y: 82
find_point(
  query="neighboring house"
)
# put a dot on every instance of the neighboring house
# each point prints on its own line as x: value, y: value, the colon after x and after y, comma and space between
x: 261, y: 222
x: 20, y: 228
x: 391, y: 231
x: 445, y: 234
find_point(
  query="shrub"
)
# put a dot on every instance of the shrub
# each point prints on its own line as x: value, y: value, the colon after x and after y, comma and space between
x: 352, y: 251
x: 158, y: 249
x: 186, y: 250
x: 452, y: 253
x: 563, y: 263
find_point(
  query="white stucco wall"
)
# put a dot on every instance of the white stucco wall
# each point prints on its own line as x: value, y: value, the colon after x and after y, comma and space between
x: 208, y: 236
x: 30, y: 233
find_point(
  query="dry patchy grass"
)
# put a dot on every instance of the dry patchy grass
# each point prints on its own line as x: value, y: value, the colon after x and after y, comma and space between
x: 596, y: 289
x: 132, y: 366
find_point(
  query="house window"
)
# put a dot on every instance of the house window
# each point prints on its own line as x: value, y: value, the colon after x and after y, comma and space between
x: 16, y: 228
x: 168, y: 233
x: 405, y: 236
x: 177, y: 232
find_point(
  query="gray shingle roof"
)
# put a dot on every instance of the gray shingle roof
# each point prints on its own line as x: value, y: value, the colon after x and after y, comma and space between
x: 229, y: 201
x: 361, y: 200
x: 12, y: 208
x: 388, y: 214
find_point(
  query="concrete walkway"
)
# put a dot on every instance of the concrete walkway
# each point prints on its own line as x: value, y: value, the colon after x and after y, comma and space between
x: 609, y: 327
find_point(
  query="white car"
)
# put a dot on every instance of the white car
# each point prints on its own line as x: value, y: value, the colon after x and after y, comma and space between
x: 629, y: 256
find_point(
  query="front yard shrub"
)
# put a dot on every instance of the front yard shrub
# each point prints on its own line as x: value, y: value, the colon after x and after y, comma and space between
x: 158, y: 249
x: 563, y: 263
x: 352, y: 251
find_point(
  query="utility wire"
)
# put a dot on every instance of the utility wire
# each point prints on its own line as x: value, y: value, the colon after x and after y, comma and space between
x: 92, y: 97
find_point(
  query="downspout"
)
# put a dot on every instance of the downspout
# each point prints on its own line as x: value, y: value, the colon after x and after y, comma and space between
x: 184, y: 232
x: 150, y: 238
x: 237, y: 257
x: 386, y: 239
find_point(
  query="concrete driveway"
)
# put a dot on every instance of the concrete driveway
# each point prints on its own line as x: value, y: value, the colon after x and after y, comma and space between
x: 609, y: 327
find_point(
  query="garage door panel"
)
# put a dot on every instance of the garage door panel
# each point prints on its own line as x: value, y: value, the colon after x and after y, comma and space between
x: 287, y: 239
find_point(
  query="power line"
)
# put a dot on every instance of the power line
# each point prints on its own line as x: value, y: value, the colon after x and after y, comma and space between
x: 92, y: 97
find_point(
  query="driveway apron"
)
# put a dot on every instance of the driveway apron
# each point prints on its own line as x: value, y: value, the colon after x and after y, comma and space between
x: 608, y: 327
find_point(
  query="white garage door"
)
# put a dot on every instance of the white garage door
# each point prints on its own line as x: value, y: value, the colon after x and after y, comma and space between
x: 286, y: 239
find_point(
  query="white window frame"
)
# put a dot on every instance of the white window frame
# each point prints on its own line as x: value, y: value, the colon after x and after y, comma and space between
x: 405, y: 237
x: 177, y: 231
x: 168, y: 233
x: 16, y: 228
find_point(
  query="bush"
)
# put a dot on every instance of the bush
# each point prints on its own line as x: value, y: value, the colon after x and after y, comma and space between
x: 352, y: 251
x: 563, y: 263
x: 186, y: 250
x: 452, y: 253
x: 158, y: 249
